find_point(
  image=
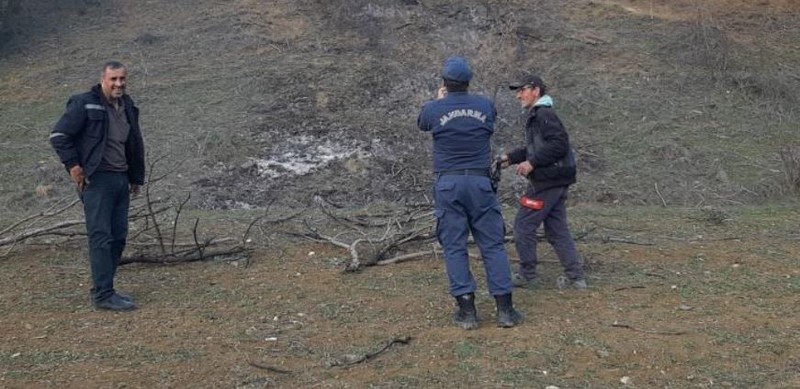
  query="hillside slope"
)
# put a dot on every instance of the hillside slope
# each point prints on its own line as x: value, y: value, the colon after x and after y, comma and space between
x: 667, y: 102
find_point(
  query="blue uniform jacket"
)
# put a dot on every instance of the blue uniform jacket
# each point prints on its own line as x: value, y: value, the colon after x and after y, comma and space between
x: 79, y: 137
x: 462, y: 125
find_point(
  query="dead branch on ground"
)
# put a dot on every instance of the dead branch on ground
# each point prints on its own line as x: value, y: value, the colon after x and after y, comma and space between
x: 656, y: 332
x: 388, y: 237
x: 353, y: 359
x: 268, y: 367
x: 150, y: 241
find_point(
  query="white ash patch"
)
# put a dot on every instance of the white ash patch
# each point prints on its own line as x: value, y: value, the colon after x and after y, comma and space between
x: 301, y: 155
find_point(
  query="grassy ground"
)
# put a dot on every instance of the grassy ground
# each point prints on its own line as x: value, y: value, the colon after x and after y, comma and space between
x: 690, y: 299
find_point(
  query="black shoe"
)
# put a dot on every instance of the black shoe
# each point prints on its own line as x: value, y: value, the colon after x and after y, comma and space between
x: 563, y: 282
x: 115, y: 303
x: 507, y: 316
x: 125, y: 296
x: 466, y: 317
x: 519, y: 281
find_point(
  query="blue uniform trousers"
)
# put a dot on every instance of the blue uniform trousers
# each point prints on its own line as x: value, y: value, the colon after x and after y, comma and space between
x: 105, y: 204
x: 556, y: 229
x: 466, y: 203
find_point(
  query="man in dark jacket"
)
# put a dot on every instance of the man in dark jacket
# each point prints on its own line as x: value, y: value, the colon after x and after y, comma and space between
x: 462, y: 125
x: 100, y: 144
x: 548, y: 161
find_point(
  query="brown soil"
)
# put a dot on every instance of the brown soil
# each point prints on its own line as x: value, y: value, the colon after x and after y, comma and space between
x: 687, y: 311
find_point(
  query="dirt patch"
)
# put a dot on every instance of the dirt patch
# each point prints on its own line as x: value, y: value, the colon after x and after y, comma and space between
x: 685, y: 310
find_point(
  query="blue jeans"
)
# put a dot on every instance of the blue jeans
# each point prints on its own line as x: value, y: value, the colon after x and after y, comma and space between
x: 464, y: 204
x: 105, y: 204
x: 556, y: 229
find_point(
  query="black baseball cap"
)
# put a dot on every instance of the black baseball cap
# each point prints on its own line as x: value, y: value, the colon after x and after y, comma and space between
x: 531, y: 80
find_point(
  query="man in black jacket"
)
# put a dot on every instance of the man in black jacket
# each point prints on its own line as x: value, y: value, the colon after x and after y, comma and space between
x: 548, y: 162
x: 100, y: 144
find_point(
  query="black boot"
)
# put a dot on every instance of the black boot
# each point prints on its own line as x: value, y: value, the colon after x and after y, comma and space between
x: 466, y: 317
x: 507, y: 316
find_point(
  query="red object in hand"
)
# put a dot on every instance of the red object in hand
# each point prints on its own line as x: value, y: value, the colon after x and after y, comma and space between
x: 534, y: 204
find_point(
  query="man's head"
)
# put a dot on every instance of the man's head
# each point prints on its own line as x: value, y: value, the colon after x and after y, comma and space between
x: 113, y: 80
x: 456, y: 74
x: 530, y: 88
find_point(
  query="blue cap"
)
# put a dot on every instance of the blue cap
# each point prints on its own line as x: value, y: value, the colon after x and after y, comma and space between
x: 457, y: 69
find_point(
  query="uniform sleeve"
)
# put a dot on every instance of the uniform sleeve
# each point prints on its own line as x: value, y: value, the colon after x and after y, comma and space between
x: 424, y: 121
x: 66, y: 130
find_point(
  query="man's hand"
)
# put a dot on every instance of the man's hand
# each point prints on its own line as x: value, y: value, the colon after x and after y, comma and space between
x: 441, y: 93
x: 78, y: 177
x: 135, y: 189
x: 524, y: 169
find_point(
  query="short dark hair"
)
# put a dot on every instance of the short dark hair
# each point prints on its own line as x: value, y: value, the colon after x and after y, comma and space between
x: 455, y: 86
x: 112, y: 65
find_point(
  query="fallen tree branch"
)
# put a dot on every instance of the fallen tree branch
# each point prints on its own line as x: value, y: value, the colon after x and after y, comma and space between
x: 153, y: 243
x: 352, y: 359
x: 354, y: 265
x: 50, y: 230
x: 620, y: 325
x: 608, y: 239
x: 194, y: 256
x: 43, y: 214
x: 268, y: 368
x: 629, y: 287
x: 408, y: 257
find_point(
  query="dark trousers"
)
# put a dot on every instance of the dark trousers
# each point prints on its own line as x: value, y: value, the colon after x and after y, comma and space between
x: 556, y: 229
x: 105, y: 203
x: 464, y: 204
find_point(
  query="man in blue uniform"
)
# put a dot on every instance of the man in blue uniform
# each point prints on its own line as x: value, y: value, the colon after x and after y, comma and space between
x: 461, y: 125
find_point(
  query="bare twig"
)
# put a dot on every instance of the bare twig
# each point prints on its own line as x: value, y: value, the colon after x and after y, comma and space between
x: 620, y: 325
x: 182, y: 244
x: 629, y: 287
x: 660, y: 196
x: 268, y: 368
x: 195, y: 256
x: 608, y: 239
x: 352, y: 360
x: 407, y: 257
x: 354, y: 265
x: 194, y: 234
x: 43, y: 214
x: 178, y: 210
x: 50, y: 230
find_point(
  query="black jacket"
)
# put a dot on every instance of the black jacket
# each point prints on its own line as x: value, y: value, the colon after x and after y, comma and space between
x: 547, y: 149
x: 79, y: 137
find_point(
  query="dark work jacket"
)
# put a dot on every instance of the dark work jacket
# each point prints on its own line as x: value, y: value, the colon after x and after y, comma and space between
x: 547, y: 149
x: 79, y: 137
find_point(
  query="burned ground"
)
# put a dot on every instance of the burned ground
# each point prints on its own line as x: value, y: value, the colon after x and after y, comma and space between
x: 288, y: 100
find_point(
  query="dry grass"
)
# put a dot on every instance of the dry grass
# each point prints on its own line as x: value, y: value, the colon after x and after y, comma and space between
x: 726, y: 288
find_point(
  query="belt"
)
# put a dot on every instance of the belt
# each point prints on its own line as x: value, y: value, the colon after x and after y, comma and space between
x: 464, y: 172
